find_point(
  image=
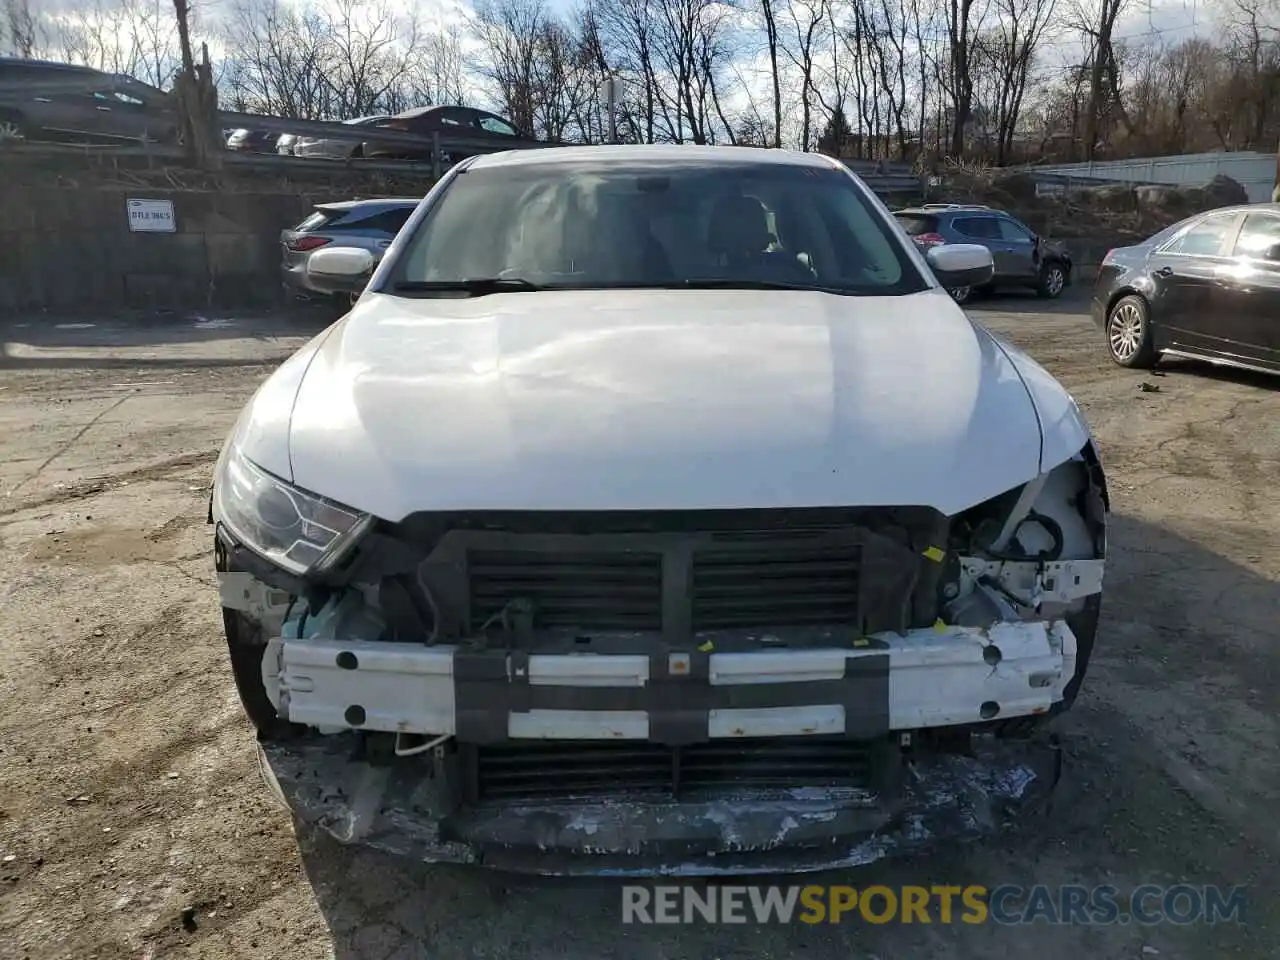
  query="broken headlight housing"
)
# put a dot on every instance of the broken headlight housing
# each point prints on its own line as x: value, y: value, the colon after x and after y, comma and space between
x: 293, y: 529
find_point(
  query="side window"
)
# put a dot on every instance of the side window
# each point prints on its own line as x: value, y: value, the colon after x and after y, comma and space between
x: 495, y: 125
x: 980, y: 228
x: 1013, y: 231
x: 1259, y: 238
x: 456, y: 118
x: 127, y: 99
x: 1205, y: 238
x: 388, y: 222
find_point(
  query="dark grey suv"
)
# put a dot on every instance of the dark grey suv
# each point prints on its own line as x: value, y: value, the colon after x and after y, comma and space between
x: 59, y: 101
x: 1022, y: 258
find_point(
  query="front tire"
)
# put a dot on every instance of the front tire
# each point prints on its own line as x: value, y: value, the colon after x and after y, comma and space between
x: 246, y: 646
x: 1053, y: 280
x: 1129, y: 339
x: 961, y: 295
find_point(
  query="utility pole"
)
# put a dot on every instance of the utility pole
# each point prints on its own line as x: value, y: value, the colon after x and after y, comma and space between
x: 610, y: 91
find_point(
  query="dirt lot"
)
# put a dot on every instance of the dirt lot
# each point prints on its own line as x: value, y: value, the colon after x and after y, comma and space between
x: 133, y: 822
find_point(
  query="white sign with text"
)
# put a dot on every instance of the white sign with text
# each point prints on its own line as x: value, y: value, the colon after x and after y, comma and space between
x: 152, y: 216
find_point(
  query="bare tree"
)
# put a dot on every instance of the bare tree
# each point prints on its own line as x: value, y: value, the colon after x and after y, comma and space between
x: 132, y: 37
x: 1096, y: 19
x: 367, y: 50
x: 1006, y: 53
x: 771, y: 38
x: 280, y: 61
x: 806, y: 34
x: 18, y: 29
x: 964, y: 20
x: 436, y: 71
x: 628, y: 39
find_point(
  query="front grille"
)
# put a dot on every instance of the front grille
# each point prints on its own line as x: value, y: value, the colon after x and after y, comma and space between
x: 776, y: 585
x: 549, y: 771
x: 600, y: 591
x: 682, y: 574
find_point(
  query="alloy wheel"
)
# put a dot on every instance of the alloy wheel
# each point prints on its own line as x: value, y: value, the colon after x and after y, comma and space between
x: 1125, y: 331
x: 10, y: 130
x: 961, y: 294
x: 1054, y: 281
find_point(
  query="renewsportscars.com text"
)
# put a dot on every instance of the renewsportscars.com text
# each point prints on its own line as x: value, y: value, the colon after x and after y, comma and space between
x: 972, y: 904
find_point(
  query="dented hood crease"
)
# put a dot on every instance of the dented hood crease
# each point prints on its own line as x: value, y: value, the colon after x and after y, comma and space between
x: 620, y: 400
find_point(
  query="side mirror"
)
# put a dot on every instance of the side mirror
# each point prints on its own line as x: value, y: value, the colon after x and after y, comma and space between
x: 961, y: 264
x: 340, y: 263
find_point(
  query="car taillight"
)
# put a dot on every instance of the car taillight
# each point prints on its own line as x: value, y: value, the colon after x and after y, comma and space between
x: 1107, y: 258
x: 303, y: 244
x: 930, y: 239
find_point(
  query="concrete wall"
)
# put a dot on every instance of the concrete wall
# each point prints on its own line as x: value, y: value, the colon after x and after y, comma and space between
x: 1256, y: 172
x: 70, y: 248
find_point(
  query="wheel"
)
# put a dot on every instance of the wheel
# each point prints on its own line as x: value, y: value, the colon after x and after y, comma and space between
x: 1053, y: 277
x: 12, y: 128
x: 1129, y: 333
x: 246, y: 646
x: 961, y: 294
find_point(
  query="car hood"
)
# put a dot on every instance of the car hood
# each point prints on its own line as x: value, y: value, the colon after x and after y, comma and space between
x: 612, y: 400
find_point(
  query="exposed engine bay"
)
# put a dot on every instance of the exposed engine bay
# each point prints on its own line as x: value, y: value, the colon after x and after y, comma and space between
x: 554, y: 663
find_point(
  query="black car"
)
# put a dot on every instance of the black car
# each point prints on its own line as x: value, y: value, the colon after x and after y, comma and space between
x: 468, y: 122
x: 1207, y: 287
x: 47, y: 101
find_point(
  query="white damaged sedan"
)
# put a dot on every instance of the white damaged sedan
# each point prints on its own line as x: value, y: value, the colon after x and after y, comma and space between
x: 656, y: 511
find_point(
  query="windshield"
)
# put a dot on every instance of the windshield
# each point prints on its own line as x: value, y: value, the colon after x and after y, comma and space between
x: 635, y: 225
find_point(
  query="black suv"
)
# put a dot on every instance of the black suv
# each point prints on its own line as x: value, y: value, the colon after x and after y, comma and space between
x: 1022, y: 258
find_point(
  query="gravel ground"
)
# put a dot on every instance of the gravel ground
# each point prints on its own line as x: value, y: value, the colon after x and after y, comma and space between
x: 133, y: 822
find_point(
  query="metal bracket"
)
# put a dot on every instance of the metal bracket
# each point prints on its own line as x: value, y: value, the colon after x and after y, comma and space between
x: 1036, y: 581
x: 250, y: 596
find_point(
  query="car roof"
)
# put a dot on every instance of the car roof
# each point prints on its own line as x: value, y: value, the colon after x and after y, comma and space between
x: 33, y: 66
x: 651, y: 152
x: 340, y: 206
x: 1265, y: 206
x: 932, y: 209
x: 423, y: 111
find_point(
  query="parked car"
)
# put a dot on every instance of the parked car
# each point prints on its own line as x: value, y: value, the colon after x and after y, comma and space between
x: 656, y: 510
x: 40, y: 100
x: 252, y: 141
x: 1206, y: 287
x: 456, y: 121
x: 1022, y: 257
x: 369, y: 225
x: 334, y: 149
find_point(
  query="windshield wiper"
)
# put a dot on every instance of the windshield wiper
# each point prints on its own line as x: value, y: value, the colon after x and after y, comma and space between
x: 475, y: 286
x: 726, y: 283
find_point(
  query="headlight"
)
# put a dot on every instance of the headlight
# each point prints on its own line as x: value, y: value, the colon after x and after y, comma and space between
x: 293, y: 529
